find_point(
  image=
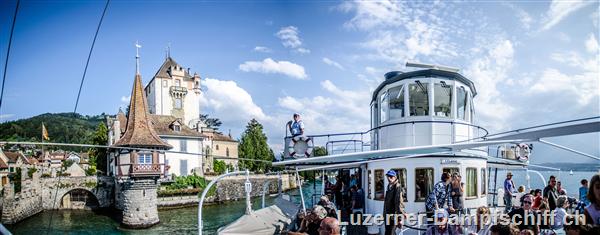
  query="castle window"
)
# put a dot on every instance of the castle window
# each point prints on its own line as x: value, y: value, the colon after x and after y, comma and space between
x: 177, y: 82
x: 178, y: 103
x: 165, y: 83
x: 227, y: 152
x: 217, y: 147
x: 177, y: 128
x: 183, y: 145
x: 144, y: 158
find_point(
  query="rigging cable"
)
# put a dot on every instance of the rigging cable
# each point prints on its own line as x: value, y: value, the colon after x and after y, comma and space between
x: 77, y: 102
x: 12, y: 29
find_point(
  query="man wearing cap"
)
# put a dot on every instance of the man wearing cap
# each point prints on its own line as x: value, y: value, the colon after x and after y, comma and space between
x: 393, y: 205
x: 509, y: 188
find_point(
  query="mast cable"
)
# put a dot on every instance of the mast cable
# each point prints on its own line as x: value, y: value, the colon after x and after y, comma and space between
x: 76, y: 103
x: 12, y: 29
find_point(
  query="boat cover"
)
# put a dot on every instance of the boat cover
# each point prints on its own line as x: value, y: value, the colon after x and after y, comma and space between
x: 268, y: 220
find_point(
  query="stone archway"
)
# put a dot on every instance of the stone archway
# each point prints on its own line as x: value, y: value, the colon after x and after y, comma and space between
x: 79, y: 199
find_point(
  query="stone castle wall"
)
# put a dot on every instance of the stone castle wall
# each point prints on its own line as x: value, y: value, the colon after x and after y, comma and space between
x: 232, y: 188
x: 139, y: 203
x: 20, y: 205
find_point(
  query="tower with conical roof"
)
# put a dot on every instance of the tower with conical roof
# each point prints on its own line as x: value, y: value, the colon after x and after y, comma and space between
x: 137, y: 164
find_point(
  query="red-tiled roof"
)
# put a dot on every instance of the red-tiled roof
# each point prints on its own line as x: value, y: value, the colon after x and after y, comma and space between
x: 163, y: 124
x: 3, y: 164
x: 140, y: 132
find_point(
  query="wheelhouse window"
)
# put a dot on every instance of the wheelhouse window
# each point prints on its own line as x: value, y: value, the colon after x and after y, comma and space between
x: 471, y: 182
x: 369, y: 183
x: 401, y: 173
x: 423, y: 183
x: 379, y: 185
x: 418, y: 99
x: 144, y: 158
x: 383, y: 104
x: 442, y: 99
x: 461, y: 103
x: 483, y: 182
x: 396, y: 97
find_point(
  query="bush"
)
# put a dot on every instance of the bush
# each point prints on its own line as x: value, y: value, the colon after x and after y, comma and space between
x: 183, y: 182
x: 90, y: 171
x: 46, y: 175
x: 179, y: 192
x: 219, y: 166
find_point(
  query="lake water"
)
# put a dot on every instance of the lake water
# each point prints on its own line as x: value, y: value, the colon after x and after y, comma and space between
x: 184, y: 220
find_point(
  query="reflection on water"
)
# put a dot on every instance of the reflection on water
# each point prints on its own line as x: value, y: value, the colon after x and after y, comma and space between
x: 174, y: 221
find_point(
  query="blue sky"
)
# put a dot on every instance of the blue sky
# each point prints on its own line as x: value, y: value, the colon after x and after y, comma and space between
x: 532, y: 62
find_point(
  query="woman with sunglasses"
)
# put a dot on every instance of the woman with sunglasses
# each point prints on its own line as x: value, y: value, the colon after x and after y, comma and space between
x: 524, y: 220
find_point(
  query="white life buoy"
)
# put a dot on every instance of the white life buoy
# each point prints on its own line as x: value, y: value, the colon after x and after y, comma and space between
x: 523, y: 151
x: 300, y: 147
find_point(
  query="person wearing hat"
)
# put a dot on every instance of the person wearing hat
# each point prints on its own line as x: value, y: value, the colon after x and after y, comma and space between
x: 393, y: 203
x: 509, y: 188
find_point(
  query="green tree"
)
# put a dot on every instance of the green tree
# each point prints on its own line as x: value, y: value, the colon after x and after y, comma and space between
x: 213, y: 123
x: 219, y: 166
x: 253, y: 145
x: 319, y: 151
x: 98, y: 156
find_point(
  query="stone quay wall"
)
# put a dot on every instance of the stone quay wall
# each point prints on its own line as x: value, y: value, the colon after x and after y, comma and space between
x: 232, y: 188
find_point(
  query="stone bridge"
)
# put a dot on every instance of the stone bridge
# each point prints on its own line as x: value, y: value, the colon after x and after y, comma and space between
x: 55, y: 192
x: 39, y: 194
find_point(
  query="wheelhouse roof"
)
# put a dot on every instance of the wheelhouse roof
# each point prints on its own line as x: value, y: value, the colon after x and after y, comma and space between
x: 395, y: 76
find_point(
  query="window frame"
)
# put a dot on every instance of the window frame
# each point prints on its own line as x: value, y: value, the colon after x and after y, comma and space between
x: 369, y: 184
x: 432, y: 183
x: 410, y: 97
x: 178, y: 103
x: 183, y: 145
x: 143, y: 157
x: 441, y: 84
x: 384, y: 107
x: 401, y: 98
x: 466, y: 100
x: 382, y: 185
x: 483, y: 189
x: 468, y: 184
x: 404, y: 183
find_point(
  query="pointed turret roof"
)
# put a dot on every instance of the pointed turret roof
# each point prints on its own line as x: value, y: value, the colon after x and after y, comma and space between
x: 140, y: 132
x: 163, y: 72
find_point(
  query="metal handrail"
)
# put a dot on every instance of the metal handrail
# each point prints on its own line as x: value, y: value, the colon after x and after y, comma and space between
x: 205, y: 191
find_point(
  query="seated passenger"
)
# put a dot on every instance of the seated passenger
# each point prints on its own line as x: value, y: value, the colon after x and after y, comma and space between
x: 329, y: 226
x: 311, y: 223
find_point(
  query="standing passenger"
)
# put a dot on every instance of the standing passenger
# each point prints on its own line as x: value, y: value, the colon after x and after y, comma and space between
x: 550, y: 194
x: 393, y: 204
x: 583, y: 191
x: 509, y: 188
x: 439, y: 197
x: 457, y: 191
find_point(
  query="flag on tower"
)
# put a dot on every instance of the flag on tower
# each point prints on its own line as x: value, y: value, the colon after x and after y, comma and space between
x: 44, y: 132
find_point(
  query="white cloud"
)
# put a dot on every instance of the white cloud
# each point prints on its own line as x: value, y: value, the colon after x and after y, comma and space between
x: 564, y: 37
x: 488, y: 73
x: 262, y: 49
x: 524, y: 17
x: 290, y: 39
x: 6, y: 116
x: 581, y: 84
x: 332, y: 63
x: 269, y: 65
x: 591, y: 44
x: 560, y: 9
x: 230, y: 102
x: 125, y: 99
x: 399, y: 31
x: 338, y: 111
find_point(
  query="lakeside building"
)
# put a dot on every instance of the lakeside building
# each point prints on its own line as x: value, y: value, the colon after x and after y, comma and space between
x: 173, y: 104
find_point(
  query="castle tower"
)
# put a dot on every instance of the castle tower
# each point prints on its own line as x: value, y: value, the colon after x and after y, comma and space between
x: 137, y: 171
x: 173, y: 91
